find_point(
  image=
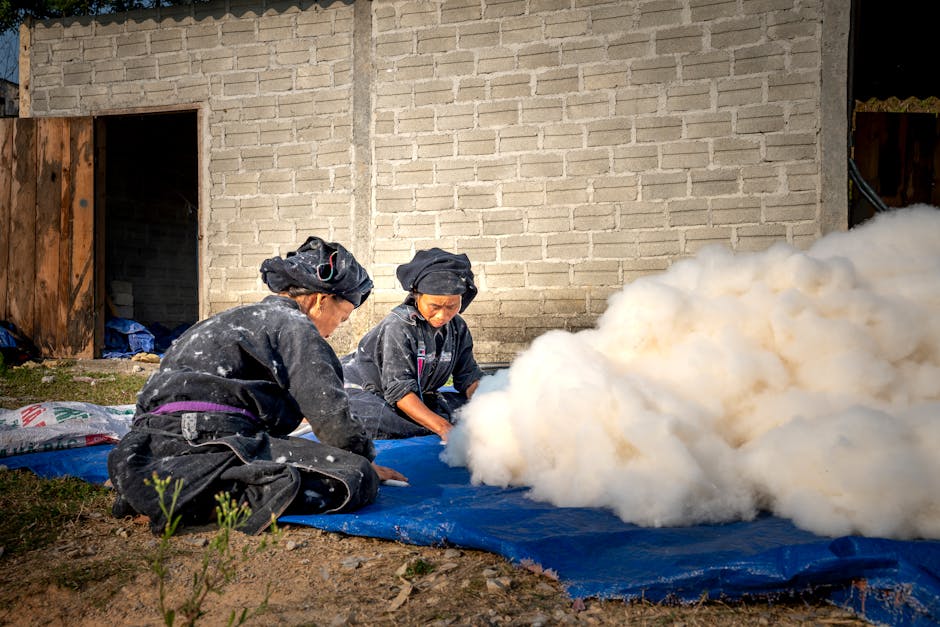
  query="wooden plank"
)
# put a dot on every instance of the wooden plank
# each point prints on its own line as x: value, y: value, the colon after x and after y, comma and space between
x: 6, y: 203
x: 51, y: 135
x: 919, y: 177
x: 81, y: 312
x: 898, y: 128
x: 22, y: 267
x: 47, y: 233
x: 63, y: 287
x: 935, y: 185
x: 101, y: 166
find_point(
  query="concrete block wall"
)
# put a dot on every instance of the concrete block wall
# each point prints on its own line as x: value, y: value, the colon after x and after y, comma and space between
x: 569, y: 147
x: 272, y: 84
x: 148, y: 276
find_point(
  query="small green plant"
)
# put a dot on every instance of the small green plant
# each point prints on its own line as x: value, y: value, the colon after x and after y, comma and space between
x: 159, y: 562
x: 418, y: 568
x: 219, y: 564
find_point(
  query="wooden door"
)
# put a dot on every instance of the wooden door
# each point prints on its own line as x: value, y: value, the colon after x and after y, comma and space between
x: 898, y: 155
x: 47, y: 233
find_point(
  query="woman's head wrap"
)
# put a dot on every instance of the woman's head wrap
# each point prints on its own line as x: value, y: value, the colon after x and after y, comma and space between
x: 439, y: 272
x: 319, y: 266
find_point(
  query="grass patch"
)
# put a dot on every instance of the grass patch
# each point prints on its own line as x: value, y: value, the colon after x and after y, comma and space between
x: 35, y: 510
x: 100, y: 580
x: 418, y: 568
x: 81, y: 576
x: 23, y: 386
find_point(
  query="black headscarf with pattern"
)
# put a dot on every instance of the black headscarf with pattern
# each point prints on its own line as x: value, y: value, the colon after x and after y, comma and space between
x: 439, y: 272
x: 319, y: 266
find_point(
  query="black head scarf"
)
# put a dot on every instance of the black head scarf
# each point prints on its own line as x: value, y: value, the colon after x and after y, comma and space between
x: 319, y: 266
x: 439, y: 272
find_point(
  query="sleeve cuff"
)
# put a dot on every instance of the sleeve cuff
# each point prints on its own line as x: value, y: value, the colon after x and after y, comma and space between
x: 399, y: 390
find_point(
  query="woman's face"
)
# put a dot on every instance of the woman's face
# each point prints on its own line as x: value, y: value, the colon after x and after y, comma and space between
x: 328, y: 312
x: 437, y: 310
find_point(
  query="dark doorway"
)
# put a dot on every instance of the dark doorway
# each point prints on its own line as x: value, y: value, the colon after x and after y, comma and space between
x: 151, y: 219
x: 895, y: 95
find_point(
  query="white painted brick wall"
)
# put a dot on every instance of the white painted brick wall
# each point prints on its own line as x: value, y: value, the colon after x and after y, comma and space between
x: 274, y: 93
x: 567, y: 147
x: 613, y: 138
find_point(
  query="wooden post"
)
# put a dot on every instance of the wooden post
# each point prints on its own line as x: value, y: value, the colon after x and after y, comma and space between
x: 26, y: 101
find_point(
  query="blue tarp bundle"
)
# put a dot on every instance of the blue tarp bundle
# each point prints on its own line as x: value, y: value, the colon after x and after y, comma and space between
x: 124, y: 337
x: 15, y: 348
x: 595, y: 554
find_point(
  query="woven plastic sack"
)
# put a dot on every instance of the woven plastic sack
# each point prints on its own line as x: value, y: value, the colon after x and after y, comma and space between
x: 55, y: 425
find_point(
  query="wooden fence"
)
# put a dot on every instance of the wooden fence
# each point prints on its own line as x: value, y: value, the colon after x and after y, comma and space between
x: 47, y: 232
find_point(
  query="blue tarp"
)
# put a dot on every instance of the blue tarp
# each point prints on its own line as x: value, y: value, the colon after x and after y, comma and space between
x: 124, y: 338
x: 595, y: 554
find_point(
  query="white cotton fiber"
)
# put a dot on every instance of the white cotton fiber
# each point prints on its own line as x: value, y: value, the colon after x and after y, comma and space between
x: 806, y: 383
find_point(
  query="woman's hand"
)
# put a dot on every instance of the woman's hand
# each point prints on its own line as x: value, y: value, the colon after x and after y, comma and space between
x: 386, y: 473
x: 415, y: 408
x: 445, y: 429
x: 473, y: 388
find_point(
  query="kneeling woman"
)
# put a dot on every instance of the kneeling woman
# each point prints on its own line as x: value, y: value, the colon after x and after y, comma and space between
x: 218, y: 412
x: 393, y: 378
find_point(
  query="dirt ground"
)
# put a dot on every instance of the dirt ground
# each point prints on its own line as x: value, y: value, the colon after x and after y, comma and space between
x: 100, y: 572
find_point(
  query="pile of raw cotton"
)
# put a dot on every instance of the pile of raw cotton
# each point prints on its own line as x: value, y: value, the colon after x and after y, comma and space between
x: 806, y: 383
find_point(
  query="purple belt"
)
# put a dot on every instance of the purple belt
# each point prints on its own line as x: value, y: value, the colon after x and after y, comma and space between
x: 169, y: 408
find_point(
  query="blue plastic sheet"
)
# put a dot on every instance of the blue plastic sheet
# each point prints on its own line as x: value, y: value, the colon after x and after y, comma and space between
x: 6, y: 339
x: 595, y: 554
x: 88, y: 463
x: 15, y: 348
x: 124, y: 338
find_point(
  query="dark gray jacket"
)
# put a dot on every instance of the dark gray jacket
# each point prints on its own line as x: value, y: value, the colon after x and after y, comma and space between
x: 388, y: 357
x: 268, y: 365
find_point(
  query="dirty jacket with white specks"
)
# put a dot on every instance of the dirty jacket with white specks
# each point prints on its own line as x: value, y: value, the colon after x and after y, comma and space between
x: 386, y: 361
x: 267, y: 358
x: 400, y: 356
x: 263, y: 367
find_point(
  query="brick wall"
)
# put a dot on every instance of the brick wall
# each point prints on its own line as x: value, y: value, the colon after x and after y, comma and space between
x: 149, y: 275
x: 567, y: 146
x: 571, y: 147
x: 273, y: 92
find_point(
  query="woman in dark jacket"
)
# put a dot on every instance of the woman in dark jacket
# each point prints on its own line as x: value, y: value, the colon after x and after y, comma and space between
x: 218, y: 412
x: 393, y: 378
